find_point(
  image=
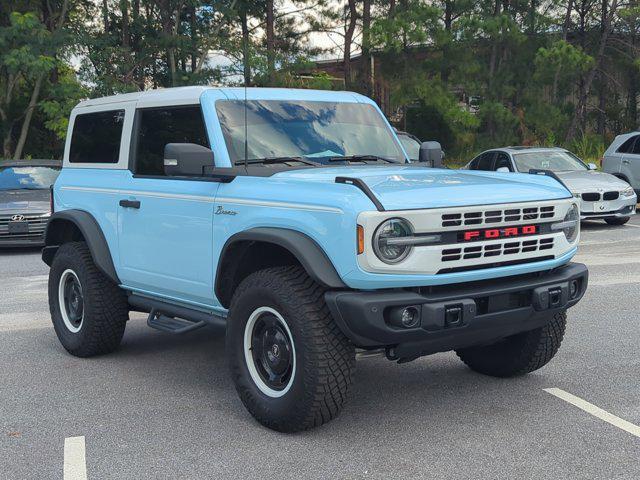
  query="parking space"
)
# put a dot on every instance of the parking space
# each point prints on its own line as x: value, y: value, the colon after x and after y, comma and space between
x: 164, y: 407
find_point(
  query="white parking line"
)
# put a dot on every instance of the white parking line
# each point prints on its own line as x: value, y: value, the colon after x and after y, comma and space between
x: 595, y: 411
x: 75, y: 466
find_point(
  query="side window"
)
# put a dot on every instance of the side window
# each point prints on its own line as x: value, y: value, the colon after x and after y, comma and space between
x: 636, y: 146
x: 96, y: 137
x: 502, y: 161
x: 158, y: 126
x: 628, y: 147
x: 485, y: 161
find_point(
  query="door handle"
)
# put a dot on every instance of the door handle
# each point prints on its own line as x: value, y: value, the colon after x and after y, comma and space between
x: 130, y: 203
x: 626, y: 162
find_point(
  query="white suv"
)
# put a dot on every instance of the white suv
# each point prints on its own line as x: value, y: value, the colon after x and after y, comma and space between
x: 622, y: 159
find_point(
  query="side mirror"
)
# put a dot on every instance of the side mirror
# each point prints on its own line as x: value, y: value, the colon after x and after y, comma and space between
x: 431, y: 153
x: 592, y: 166
x: 186, y: 159
x: 503, y: 170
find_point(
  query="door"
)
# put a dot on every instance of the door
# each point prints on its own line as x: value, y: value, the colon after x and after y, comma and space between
x: 165, y: 224
x: 631, y: 160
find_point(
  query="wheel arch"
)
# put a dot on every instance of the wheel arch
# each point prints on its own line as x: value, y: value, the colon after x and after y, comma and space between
x: 78, y: 225
x: 264, y: 247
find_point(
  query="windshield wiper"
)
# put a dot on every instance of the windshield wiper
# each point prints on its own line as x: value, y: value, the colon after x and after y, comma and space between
x: 271, y: 160
x: 361, y: 158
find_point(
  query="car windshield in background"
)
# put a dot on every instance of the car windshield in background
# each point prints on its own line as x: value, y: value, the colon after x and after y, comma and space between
x: 411, y: 146
x: 27, y: 178
x: 318, y: 132
x: 556, y: 161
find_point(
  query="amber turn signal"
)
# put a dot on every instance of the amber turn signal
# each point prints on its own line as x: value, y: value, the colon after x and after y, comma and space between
x: 360, y: 239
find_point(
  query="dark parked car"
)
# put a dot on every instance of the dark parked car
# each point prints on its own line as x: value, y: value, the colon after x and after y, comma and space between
x: 25, y: 200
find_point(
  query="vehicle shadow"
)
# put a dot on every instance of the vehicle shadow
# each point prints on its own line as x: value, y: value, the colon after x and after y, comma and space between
x: 396, y: 395
x: 15, y: 251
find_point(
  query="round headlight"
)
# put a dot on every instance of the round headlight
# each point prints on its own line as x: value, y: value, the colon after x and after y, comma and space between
x: 572, y: 218
x: 387, y: 241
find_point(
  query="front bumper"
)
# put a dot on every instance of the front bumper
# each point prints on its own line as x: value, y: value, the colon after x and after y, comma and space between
x: 457, y: 316
x: 622, y: 207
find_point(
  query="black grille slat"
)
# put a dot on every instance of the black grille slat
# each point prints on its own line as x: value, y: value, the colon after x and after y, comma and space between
x: 496, y: 249
x: 610, y: 195
x: 497, y: 216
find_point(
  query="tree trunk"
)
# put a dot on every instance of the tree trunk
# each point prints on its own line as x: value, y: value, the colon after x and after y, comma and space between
x: 105, y: 16
x: 35, y: 94
x: 348, y: 38
x: 448, y: 24
x: 271, y: 43
x: 579, y: 116
x: 246, y: 54
x: 565, y: 32
x: 366, y: 48
x: 494, y: 50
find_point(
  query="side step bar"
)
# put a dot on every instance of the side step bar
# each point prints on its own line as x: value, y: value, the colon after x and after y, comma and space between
x: 171, y: 318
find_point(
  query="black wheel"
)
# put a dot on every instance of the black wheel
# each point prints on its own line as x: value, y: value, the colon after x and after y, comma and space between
x: 291, y: 364
x: 617, y: 220
x: 89, y: 312
x: 519, y: 354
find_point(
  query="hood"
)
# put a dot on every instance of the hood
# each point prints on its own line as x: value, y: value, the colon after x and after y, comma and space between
x: 409, y: 187
x: 24, y: 201
x: 581, y: 181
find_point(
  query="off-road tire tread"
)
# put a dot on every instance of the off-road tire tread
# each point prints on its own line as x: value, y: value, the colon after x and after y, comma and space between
x: 520, y: 354
x: 331, y: 363
x: 106, y: 306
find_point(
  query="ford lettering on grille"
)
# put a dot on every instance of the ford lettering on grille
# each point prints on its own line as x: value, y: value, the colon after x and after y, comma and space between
x: 496, y: 233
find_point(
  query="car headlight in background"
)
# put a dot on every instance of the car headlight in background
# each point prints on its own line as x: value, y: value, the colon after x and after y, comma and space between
x: 627, y: 192
x: 577, y: 195
x: 389, y: 240
x: 570, y: 225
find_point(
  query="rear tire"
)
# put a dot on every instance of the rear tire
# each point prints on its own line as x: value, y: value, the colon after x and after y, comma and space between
x: 89, y: 311
x: 617, y: 220
x: 519, y: 354
x: 291, y: 364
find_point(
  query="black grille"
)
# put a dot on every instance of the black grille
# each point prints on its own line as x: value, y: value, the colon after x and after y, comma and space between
x: 489, y: 217
x: 37, y: 225
x: 496, y: 249
x: 591, y: 196
x: 610, y: 195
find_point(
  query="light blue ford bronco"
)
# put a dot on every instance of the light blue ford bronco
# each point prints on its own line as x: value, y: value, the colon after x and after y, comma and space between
x: 294, y: 218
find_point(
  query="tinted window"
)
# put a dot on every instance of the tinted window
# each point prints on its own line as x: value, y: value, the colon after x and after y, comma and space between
x: 315, y: 130
x: 485, y: 161
x: 636, y: 147
x: 502, y: 161
x: 627, y: 146
x: 159, y: 126
x: 27, y: 178
x: 96, y: 137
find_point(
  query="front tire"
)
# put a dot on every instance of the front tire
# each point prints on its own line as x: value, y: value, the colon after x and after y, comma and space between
x: 617, y: 220
x: 89, y: 311
x: 519, y: 354
x: 291, y: 364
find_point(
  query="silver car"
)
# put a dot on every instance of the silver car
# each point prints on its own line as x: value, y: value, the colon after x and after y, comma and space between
x: 622, y: 159
x: 603, y: 196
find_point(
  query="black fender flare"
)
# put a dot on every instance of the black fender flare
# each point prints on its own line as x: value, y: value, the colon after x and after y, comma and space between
x: 90, y: 231
x: 306, y: 250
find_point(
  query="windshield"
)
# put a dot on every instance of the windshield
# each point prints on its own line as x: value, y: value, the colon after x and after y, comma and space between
x: 411, y: 146
x: 29, y: 178
x: 556, y: 161
x: 316, y: 131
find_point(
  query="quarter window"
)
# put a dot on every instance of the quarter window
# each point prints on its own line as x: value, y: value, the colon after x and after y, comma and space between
x: 485, y: 161
x: 628, y: 147
x: 96, y: 137
x: 157, y: 127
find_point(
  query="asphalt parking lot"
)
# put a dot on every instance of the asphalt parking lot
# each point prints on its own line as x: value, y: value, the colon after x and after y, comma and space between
x: 164, y: 407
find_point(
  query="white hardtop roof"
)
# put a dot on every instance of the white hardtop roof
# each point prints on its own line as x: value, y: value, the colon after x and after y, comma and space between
x: 191, y: 95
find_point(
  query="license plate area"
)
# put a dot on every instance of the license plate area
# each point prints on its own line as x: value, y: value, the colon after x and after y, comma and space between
x: 17, y: 228
x: 600, y: 207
